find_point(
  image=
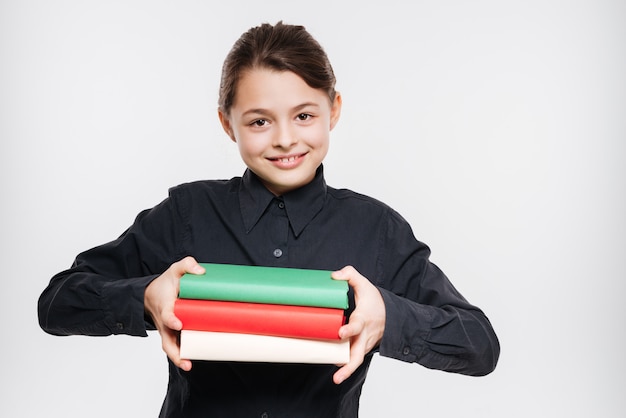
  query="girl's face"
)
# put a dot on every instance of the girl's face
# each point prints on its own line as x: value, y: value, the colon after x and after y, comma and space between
x: 282, y: 127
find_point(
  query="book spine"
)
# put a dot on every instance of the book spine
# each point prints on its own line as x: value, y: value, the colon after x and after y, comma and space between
x: 224, y: 346
x: 257, y: 318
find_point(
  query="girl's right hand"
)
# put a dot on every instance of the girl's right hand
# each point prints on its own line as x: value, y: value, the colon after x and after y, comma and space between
x: 159, y: 299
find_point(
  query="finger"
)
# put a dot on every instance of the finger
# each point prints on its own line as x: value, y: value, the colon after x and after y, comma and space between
x: 171, y: 347
x: 356, y: 359
x: 169, y: 344
x: 188, y: 265
x: 354, y: 327
x: 185, y: 365
x: 352, y: 330
x: 171, y: 321
x: 345, y: 372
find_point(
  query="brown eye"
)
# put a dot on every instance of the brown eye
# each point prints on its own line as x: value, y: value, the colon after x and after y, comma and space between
x: 304, y: 116
x: 259, y: 122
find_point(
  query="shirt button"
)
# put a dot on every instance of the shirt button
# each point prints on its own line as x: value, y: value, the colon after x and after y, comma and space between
x: 264, y: 415
x: 278, y: 252
x: 281, y: 205
x: 406, y: 351
x: 119, y: 325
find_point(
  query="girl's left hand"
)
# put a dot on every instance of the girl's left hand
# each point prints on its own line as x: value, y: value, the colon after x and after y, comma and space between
x: 366, y: 324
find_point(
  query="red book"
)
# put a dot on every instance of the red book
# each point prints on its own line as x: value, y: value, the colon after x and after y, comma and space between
x: 260, y: 318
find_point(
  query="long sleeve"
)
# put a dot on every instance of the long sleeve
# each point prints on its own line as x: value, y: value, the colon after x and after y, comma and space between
x: 103, y: 291
x: 239, y: 221
x: 428, y: 320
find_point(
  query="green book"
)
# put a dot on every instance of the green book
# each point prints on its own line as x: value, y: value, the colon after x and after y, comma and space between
x: 276, y: 285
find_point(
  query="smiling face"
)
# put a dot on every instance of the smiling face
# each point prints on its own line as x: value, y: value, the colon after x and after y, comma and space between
x: 282, y: 127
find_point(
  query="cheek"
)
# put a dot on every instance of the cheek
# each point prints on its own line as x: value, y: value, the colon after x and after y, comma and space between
x: 248, y: 147
x: 321, y: 137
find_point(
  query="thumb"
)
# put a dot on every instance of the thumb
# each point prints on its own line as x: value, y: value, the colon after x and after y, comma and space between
x: 343, y: 274
x: 190, y: 265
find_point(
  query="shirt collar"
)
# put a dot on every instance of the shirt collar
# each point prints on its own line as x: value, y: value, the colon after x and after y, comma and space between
x: 301, y: 204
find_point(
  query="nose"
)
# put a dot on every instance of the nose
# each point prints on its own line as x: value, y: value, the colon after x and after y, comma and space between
x: 284, y: 136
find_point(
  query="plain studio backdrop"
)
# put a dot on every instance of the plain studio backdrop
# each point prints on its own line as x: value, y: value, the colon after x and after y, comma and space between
x: 497, y: 129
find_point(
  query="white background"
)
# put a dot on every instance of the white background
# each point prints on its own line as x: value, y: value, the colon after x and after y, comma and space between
x: 496, y: 128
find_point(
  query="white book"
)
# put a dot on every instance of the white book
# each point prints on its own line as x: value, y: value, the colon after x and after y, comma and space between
x: 225, y: 346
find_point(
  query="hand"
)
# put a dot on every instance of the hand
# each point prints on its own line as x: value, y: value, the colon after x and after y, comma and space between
x: 159, y: 299
x: 366, y: 324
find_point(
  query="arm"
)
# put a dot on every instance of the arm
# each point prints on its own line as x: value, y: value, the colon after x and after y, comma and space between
x: 103, y: 292
x: 443, y: 334
x: 414, y: 313
x: 427, y: 320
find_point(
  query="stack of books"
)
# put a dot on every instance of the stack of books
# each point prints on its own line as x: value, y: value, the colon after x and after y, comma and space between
x: 262, y: 314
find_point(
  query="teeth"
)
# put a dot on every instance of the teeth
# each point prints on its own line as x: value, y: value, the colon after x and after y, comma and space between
x: 286, y: 160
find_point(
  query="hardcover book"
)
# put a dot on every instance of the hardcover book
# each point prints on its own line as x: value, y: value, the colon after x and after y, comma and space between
x: 259, y: 318
x: 271, y: 285
x: 225, y: 346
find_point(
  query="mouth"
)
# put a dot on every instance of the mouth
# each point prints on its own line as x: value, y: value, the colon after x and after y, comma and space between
x: 287, y: 159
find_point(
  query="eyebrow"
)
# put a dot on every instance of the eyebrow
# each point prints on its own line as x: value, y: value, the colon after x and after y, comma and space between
x: 261, y: 111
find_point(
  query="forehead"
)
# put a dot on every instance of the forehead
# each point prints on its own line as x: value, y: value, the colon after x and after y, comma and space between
x: 269, y: 89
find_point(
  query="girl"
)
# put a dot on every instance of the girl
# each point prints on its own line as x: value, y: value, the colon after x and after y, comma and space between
x: 277, y: 102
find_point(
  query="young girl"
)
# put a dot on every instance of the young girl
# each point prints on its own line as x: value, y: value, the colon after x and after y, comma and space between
x: 277, y: 102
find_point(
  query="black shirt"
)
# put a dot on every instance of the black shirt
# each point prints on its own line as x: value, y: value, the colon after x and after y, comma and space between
x: 239, y: 221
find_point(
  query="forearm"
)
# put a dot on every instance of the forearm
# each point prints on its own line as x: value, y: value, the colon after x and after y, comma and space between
x: 79, y: 302
x: 457, y: 339
x: 103, y: 292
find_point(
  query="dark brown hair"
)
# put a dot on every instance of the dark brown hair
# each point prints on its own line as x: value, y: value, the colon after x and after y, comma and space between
x: 280, y: 47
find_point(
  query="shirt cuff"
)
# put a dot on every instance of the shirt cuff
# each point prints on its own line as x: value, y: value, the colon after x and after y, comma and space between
x: 407, y: 327
x: 123, y: 304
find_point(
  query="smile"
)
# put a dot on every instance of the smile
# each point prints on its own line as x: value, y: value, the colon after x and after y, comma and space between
x: 287, y: 159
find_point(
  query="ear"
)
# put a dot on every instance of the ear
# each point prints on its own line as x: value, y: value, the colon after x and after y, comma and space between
x: 335, y: 110
x: 226, y: 125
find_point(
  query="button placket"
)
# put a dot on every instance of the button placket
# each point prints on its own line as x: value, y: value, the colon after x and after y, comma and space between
x: 277, y: 233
